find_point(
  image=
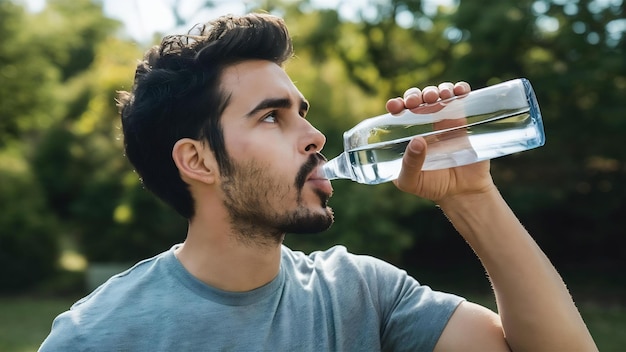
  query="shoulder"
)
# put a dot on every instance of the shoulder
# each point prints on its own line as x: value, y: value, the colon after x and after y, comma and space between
x: 381, y: 279
x: 410, y: 314
x: 140, y: 274
x: 116, y: 300
x: 342, y: 271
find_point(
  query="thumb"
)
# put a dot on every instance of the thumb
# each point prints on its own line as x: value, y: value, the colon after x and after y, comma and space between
x: 412, y: 163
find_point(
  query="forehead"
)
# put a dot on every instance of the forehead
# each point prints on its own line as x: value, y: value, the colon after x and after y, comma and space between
x: 248, y: 82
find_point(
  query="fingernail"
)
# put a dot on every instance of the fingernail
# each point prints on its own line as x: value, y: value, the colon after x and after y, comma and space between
x: 416, y: 146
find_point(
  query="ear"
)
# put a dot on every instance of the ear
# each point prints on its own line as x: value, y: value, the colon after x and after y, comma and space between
x: 195, y: 161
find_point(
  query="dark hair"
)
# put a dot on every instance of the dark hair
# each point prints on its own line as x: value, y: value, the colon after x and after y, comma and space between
x: 176, y: 94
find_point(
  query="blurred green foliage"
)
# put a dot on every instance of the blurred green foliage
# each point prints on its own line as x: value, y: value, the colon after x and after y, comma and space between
x: 28, y: 229
x: 60, y: 69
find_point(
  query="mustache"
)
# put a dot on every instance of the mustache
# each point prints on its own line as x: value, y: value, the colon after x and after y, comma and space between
x: 314, y: 161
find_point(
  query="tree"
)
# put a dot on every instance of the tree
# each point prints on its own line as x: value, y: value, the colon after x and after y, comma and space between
x: 28, y: 78
x: 99, y: 196
x: 60, y: 120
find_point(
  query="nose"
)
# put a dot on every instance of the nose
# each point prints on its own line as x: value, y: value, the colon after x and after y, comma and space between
x: 313, y: 140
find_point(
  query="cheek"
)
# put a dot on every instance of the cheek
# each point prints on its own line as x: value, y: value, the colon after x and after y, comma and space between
x: 257, y: 186
x: 267, y: 149
x: 238, y: 146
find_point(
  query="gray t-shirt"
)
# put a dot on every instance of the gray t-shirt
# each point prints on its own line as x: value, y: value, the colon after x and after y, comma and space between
x: 326, y: 301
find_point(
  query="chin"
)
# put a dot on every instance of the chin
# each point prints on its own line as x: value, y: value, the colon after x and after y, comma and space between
x: 310, y: 221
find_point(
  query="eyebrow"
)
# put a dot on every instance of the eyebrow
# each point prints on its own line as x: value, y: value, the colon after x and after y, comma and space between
x: 277, y: 103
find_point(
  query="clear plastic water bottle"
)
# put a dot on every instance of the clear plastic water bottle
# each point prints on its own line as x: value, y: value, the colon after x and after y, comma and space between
x: 486, y: 123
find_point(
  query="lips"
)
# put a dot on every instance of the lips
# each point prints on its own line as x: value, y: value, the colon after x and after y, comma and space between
x: 310, y: 170
x: 317, y: 174
x: 318, y: 179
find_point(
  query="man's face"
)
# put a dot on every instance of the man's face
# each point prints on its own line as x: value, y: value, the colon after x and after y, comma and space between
x: 275, y: 186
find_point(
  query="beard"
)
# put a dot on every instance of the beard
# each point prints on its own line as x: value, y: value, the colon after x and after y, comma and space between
x: 254, y: 199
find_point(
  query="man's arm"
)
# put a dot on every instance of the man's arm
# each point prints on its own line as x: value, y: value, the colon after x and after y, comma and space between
x: 536, y: 311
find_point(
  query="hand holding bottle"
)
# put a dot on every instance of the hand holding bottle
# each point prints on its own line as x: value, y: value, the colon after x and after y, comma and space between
x: 436, y: 184
x: 460, y: 128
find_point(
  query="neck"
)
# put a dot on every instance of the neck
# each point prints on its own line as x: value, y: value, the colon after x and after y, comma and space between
x: 220, y: 256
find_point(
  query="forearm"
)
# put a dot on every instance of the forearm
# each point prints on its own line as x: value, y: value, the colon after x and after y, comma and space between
x: 535, y: 307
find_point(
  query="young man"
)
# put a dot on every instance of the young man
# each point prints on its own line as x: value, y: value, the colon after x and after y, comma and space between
x: 215, y: 127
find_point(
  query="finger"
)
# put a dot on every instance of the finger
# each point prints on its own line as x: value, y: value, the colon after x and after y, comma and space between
x: 412, y: 91
x: 430, y: 94
x: 446, y: 90
x: 413, y: 98
x: 395, y: 105
x: 462, y: 88
x: 412, y: 163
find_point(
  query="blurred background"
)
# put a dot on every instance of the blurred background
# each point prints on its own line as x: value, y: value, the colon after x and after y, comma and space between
x: 71, y: 205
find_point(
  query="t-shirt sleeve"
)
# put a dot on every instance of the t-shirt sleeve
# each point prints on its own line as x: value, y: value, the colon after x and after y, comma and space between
x: 63, y: 335
x: 413, y: 316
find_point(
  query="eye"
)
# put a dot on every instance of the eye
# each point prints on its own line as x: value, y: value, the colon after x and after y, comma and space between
x: 270, y: 117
